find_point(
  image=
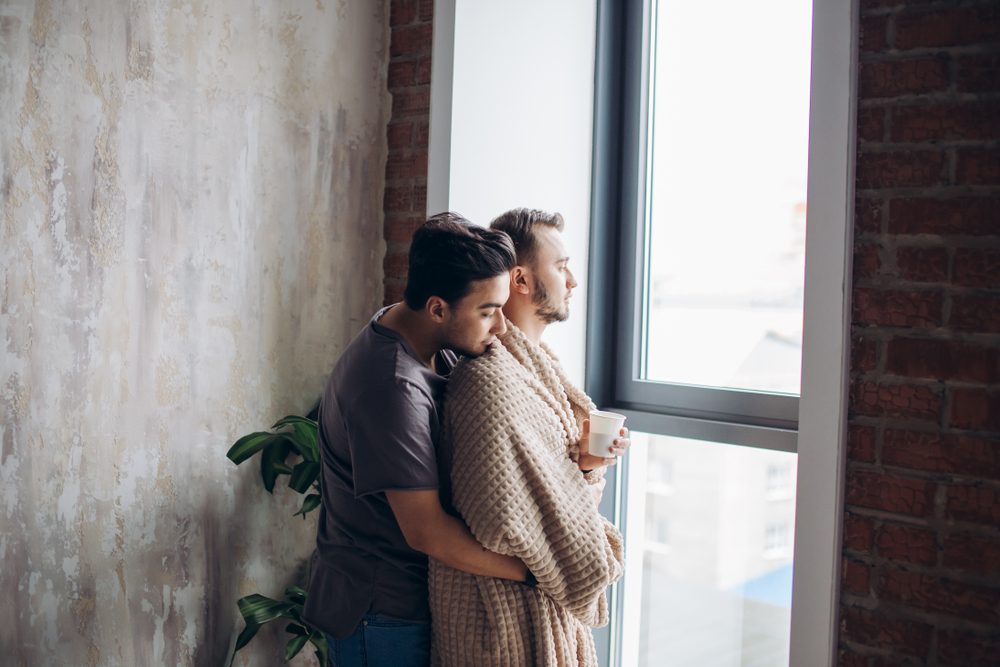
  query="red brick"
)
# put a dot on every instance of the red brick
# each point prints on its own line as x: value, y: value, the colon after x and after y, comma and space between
x: 873, y: 33
x: 974, y: 216
x: 402, y: 12
x: 975, y: 409
x: 977, y: 267
x: 859, y: 533
x: 420, y: 198
x: 871, y: 124
x: 411, y: 100
x: 896, y: 401
x: 411, y: 40
x: 399, y: 228
x: 974, y: 554
x: 868, y: 216
x: 421, y: 133
x: 979, y: 73
x: 897, y: 308
x: 861, y: 444
x: 893, y: 78
x: 856, y: 576
x: 899, y: 495
x: 397, y: 198
x: 907, y: 544
x: 402, y: 73
x: 400, y: 135
x: 938, y: 359
x: 426, y: 10
x: 977, y: 313
x: 879, y: 630
x: 423, y: 73
x: 396, y: 263
x: 978, y: 167
x: 900, y: 169
x: 966, y: 648
x: 976, y: 504
x: 943, y: 596
x: 864, y: 354
x: 951, y: 27
x: 938, y: 452
x: 922, y: 264
x: 393, y: 292
x: 945, y: 122
x: 405, y: 166
x: 866, y: 260
x: 848, y: 658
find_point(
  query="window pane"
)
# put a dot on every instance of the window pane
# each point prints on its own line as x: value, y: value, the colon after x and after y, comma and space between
x: 712, y: 526
x: 726, y: 225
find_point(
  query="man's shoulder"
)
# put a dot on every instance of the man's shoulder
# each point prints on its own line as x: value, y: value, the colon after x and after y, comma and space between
x: 495, y: 370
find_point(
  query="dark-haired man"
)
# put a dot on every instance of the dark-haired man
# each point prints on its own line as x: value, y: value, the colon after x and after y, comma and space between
x: 379, y: 423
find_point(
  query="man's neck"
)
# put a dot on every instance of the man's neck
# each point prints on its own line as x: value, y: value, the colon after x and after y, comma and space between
x: 525, y: 319
x: 409, y: 324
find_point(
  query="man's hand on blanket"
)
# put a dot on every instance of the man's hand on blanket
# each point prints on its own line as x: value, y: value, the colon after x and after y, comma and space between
x: 589, y: 461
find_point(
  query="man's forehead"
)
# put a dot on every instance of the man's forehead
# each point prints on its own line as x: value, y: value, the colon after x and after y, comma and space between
x: 549, y: 243
x: 489, y: 292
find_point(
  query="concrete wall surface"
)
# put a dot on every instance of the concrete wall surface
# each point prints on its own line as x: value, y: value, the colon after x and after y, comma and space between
x: 190, y: 233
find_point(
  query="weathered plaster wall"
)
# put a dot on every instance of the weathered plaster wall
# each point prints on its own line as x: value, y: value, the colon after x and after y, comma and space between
x: 191, y: 232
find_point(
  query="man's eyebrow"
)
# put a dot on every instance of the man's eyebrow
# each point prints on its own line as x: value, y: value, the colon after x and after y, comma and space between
x: 490, y: 305
x: 562, y: 260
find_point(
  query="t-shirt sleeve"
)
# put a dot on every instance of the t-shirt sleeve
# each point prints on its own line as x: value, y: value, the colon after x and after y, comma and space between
x: 392, y: 441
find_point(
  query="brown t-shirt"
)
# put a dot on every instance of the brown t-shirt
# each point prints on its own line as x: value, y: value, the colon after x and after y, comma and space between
x: 379, y: 421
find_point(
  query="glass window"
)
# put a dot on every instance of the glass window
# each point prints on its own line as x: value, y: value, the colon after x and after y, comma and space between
x: 715, y: 559
x: 728, y: 144
x: 704, y: 113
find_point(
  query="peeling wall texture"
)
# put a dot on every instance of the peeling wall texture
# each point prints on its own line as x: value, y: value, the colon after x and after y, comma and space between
x: 191, y: 232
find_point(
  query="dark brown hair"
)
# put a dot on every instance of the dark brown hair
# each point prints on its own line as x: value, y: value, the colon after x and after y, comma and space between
x: 448, y: 253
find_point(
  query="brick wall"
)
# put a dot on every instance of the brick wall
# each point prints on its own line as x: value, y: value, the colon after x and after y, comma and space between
x: 921, y: 578
x: 921, y: 547
x: 406, y: 166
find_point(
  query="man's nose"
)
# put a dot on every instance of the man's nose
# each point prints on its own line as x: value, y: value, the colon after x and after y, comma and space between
x: 570, y: 279
x: 500, y: 326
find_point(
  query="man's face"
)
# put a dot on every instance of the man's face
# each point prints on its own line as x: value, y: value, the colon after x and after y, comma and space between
x: 476, y: 319
x: 553, y: 281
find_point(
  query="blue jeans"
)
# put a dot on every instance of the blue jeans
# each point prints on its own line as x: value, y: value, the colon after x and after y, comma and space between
x: 383, y: 641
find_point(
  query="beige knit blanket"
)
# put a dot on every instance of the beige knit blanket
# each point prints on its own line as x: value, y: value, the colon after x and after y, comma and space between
x: 512, y: 425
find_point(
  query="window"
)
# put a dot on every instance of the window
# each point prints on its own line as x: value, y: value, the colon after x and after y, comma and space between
x: 700, y: 177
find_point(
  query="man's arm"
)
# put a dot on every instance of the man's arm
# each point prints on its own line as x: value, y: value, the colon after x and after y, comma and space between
x: 430, y: 530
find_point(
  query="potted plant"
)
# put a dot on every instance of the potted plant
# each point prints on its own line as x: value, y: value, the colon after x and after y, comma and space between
x: 290, y: 448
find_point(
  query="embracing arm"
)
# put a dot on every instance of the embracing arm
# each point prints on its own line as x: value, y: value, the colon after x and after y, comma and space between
x: 430, y: 530
x: 520, y: 498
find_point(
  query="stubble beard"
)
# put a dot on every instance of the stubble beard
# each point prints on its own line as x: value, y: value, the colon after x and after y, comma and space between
x: 544, y: 310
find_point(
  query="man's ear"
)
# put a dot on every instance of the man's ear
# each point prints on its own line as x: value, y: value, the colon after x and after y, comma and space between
x: 519, y: 280
x: 436, y: 308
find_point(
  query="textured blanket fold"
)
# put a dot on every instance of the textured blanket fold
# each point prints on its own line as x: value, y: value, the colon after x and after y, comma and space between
x: 511, y: 430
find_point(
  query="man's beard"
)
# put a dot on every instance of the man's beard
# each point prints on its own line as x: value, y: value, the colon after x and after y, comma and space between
x: 544, y: 309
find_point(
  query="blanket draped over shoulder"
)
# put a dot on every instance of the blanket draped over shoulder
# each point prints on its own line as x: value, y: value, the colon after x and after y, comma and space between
x: 512, y: 428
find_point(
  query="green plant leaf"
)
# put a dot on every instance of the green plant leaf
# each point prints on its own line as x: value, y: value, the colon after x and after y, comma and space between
x: 308, y: 505
x: 318, y: 640
x: 304, y: 433
x: 296, y: 629
x: 249, y: 445
x: 272, y: 459
x: 295, y: 645
x: 303, y: 475
x: 296, y: 594
x: 258, y: 610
